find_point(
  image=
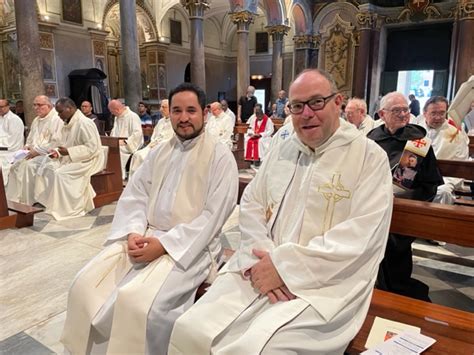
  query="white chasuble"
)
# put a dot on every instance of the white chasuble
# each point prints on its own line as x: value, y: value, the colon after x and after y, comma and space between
x: 45, y: 133
x: 11, y: 140
x: 63, y: 185
x: 325, y: 226
x: 182, y: 195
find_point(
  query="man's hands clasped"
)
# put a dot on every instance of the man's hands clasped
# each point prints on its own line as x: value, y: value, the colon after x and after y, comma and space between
x: 144, y: 249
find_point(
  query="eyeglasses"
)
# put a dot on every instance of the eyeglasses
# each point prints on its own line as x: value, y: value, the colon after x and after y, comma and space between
x: 437, y: 114
x: 398, y: 110
x: 315, y: 104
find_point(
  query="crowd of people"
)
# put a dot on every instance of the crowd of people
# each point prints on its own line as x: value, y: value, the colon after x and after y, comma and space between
x: 314, y: 231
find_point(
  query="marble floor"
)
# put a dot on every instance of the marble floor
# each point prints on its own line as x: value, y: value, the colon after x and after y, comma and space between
x: 37, y: 265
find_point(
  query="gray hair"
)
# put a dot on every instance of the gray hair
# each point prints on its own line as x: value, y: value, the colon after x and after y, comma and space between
x: 389, y: 97
x: 359, y: 103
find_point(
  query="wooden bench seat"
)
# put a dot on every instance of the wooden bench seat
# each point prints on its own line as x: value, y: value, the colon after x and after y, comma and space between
x: 25, y: 213
x: 453, y: 329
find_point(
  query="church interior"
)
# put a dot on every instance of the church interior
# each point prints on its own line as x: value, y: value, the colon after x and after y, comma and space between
x: 370, y: 47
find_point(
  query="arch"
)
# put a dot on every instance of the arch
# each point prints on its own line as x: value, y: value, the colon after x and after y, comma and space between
x: 145, y: 21
x: 345, y: 10
x: 300, y: 20
x: 275, y: 11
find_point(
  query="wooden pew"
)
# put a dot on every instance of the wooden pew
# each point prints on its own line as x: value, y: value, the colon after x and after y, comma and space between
x: 108, y: 183
x: 239, y: 130
x: 453, y: 329
x: 457, y: 168
x: 471, y: 146
x: 13, y: 214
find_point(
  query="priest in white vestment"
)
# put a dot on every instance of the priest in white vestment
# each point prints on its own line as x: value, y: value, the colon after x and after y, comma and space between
x: 127, y: 124
x: 313, y: 234
x: 63, y: 185
x: 258, y: 136
x: 220, y: 125
x: 163, y: 244
x: 448, y: 142
x: 11, y: 137
x: 162, y: 132
x: 228, y: 111
x: 45, y: 133
x: 356, y: 113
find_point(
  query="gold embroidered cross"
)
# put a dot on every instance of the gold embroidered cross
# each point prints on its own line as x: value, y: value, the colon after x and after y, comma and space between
x: 334, y: 192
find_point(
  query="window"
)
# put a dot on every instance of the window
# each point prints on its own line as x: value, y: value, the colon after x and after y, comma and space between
x: 175, y: 32
x: 261, y: 42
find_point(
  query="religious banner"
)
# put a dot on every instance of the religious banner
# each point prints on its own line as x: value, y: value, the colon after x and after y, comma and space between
x: 410, y: 162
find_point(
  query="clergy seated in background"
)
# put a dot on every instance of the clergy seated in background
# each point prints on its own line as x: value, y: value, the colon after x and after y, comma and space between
x: 62, y: 183
x: 313, y: 234
x: 164, y: 241
x: 162, y: 132
x: 356, y: 113
x: 127, y: 125
x: 259, y: 134
x: 397, y: 136
x: 86, y: 109
x: 228, y: 111
x: 45, y: 133
x: 448, y: 142
x: 11, y: 137
x: 220, y: 125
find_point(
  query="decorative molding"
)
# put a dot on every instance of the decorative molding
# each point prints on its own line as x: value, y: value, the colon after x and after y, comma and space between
x: 278, y: 31
x: 46, y: 40
x: 465, y: 10
x: 367, y: 20
x: 418, y: 11
x: 242, y: 19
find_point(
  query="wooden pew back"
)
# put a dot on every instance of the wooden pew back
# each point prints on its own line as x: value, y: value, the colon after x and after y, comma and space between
x: 457, y: 168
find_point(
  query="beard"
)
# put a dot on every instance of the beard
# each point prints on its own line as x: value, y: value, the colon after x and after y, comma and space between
x: 187, y: 134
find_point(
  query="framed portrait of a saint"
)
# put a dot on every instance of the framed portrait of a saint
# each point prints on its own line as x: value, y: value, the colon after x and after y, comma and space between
x: 72, y: 11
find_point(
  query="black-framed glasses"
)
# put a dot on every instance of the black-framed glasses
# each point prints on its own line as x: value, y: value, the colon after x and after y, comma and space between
x: 315, y: 104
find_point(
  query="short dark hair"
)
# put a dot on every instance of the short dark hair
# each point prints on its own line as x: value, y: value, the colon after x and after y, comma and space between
x: 142, y: 103
x: 201, y: 95
x: 259, y: 105
x: 435, y: 100
x: 66, y: 101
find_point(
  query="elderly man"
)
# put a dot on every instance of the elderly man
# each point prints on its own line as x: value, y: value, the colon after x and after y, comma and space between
x: 313, y: 234
x: 63, y: 183
x: 356, y: 113
x: 228, y: 111
x: 127, y: 125
x: 447, y: 141
x: 162, y: 132
x: 165, y: 241
x: 45, y: 133
x: 281, y: 102
x: 86, y: 109
x: 258, y: 136
x: 246, y: 105
x: 220, y: 125
x: 11, y: 137
x: 397, y: 137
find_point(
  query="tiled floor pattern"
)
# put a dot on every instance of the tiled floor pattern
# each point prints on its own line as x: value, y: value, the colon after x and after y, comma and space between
x: 39, y: 263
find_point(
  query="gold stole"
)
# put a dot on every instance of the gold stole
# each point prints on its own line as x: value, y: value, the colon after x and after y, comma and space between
x: 99, y: 279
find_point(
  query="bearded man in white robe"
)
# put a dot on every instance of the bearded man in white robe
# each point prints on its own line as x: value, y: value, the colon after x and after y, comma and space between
x: 164, y: 241
x: 127, y: 124
x: 448, y: 142
x: 11, y: 137
x: 220, y: 125
x: 63, y: 183
x: 162, y: 132
x: 313, y: 235
x: 45, y: 133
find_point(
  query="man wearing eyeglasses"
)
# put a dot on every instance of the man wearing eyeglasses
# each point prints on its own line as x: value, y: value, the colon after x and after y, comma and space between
x: 393, y: 137
x: 447, y: 141
x: 45, y: 133
x: 313, y: 233
x: 11, y: 136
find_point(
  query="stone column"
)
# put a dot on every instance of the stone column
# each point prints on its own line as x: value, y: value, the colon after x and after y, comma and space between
x: 277, y: 32
x: 465, y: 43
x: 29, y: 55
x: 131, y: 77
x: 243, y: 20
x: 303, y: 53
x: 366, y: 21
x: 196, y: 10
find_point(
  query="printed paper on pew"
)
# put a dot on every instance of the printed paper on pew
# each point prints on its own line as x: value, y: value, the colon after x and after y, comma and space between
x: 384, y: 329
x: 401, y: 344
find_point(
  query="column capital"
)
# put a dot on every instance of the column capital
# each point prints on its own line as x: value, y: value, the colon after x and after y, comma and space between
x: 465, y: 10
x: 303, y: 41
x: 277, y: 31
x: 367, y: 20
x: 195, y: 8
x: 242, y: 19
